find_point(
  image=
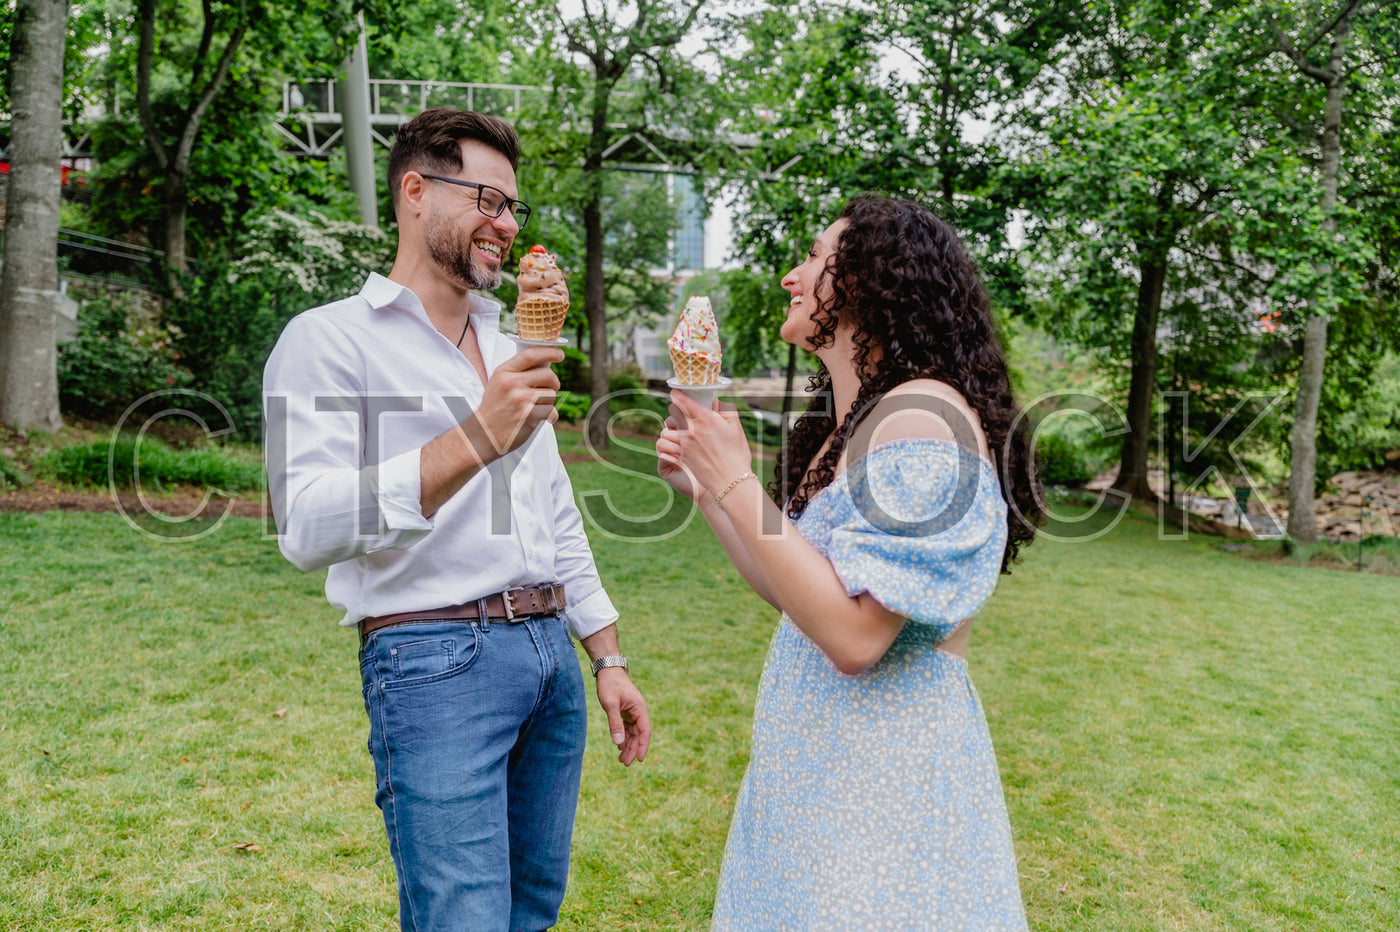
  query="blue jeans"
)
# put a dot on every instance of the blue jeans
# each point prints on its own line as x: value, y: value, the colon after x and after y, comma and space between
x: 477, y: 734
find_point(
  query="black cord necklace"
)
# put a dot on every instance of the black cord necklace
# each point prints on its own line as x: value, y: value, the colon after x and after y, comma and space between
x: 464, y: 331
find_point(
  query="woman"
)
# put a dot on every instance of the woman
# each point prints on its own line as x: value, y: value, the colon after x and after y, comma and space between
x: 872, y: 798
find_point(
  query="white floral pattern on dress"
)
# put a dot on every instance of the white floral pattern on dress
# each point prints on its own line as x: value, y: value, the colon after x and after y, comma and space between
x: 874, y: 801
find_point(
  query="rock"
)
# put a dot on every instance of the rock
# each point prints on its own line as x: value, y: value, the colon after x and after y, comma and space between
x: 1344, y: 480
x: 1337, y: 512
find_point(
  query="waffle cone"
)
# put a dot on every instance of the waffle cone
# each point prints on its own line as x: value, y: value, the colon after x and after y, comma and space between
x: 693, y: 370
x: 540, y: 318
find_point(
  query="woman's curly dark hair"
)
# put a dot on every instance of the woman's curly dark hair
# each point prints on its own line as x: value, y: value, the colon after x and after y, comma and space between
x: 919, y: 309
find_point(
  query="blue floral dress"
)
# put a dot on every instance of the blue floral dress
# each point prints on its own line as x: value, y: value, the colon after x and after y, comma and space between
x: 874, y: 801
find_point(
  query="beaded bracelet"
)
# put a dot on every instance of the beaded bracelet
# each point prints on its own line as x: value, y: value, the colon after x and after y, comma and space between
x: 730, y: 486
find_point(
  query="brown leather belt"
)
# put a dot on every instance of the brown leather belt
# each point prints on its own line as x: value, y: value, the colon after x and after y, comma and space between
x: 511, y: 606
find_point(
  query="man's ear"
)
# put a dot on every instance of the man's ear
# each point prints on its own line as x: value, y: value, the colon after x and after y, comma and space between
x: 411, y: 190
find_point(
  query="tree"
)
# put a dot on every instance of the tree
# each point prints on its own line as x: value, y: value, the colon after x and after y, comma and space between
x: 1151, y: 174
x: 631, y: 72
x: 210, y: 70
x: 206, y: 78
x: 1332, y: 36
x: 29, y: 290
x: 983, y: 61
x: 804, y: 82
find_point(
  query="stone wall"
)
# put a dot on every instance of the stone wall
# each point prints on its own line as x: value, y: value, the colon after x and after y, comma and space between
x: 1359, y: 504
x: 1353, y: 505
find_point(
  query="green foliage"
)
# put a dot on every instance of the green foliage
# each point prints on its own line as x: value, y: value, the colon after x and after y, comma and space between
x: 825, y: 115
x: 239, y: 164
x: 118, y: 356
x: 231, y: 314
x: 11, y: 475
x: 1363, y: 425
x: 806, y: 81
x: 572, y: 405
x: 635, y: 406
x: 8, y: 13
x: 756, y: 428
x: 756, y: 307
x: 145, y: 462
x: 486, y: 41
x: 573, y: 371
x: 1061, y: 460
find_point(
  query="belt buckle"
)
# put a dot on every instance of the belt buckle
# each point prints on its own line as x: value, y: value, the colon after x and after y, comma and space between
x: 508, y: 603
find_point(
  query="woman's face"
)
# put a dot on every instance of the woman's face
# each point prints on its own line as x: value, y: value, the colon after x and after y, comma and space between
x: 810, y: 290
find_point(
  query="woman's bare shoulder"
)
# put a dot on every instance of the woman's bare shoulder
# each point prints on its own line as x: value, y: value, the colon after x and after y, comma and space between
x: 926, y: 408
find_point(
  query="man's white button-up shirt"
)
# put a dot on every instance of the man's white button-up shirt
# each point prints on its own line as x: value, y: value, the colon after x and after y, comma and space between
x: 352, y: 393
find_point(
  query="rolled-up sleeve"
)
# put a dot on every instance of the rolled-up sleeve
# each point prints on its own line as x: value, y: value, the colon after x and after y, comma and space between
x: 330, y: 504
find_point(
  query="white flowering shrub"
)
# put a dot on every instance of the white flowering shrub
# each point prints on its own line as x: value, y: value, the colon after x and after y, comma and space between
x: 233, y: 310
x: 327, y: 259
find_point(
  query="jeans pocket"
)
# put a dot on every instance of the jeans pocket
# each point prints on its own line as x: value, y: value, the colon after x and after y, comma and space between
x: 428, y: 660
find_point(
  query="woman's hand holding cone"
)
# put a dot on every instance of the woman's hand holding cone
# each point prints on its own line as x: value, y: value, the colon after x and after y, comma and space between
x: 712, y: 449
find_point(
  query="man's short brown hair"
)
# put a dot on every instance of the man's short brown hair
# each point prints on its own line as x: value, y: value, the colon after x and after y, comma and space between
x: 431, y: 142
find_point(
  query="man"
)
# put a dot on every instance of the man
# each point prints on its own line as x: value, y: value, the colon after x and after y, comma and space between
x: 410, y: 449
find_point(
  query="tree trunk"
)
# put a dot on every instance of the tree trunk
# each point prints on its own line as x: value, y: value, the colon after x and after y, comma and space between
x: 596, y: 309
x: 595, y: 291
x: 1302, y: 476
x: 176, y: 162
x: 1132, y: 469
x: 29, y: 289
x: 175, y: 193
x: 1302, y: 470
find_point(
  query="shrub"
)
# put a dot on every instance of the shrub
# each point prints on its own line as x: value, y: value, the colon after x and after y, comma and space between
x: 116, y: 357
x: 326, y: 259
x: 755, y: 428
x: 628, y: 378
x: 159, y: 465
x: 231, y: 315
x: 11, y: 476
x: 1364, y: 426
x: 1062, y: 461
x: 573, y: 371
x: 637, y: 407
x: 572, y: 405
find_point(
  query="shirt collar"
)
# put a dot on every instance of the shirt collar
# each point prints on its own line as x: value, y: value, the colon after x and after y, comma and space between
x: 383, y: 292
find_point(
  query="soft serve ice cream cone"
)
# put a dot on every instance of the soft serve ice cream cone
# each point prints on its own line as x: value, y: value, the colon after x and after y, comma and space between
x: 543, y: 302
x: 695, y: 349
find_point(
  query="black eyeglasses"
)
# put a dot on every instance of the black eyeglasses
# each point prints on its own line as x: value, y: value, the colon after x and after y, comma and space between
x: 491, y: 201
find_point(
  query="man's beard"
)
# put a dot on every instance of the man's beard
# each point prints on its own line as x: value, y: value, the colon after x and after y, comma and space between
x: 447, y: 247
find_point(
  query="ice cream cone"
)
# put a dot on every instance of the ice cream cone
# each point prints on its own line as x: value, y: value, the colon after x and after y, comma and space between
x: 540, y: 318
x: 694, y: 370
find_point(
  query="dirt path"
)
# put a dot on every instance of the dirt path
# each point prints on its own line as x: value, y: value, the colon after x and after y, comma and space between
x: 180, y: 502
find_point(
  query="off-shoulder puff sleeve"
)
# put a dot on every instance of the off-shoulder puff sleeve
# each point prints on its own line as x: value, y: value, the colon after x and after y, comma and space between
x: 922, y: 529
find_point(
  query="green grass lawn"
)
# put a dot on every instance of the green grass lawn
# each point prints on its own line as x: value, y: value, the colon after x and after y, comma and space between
x: 1188, y: 740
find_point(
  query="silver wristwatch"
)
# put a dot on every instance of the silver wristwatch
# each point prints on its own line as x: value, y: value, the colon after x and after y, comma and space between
x: 617, y: 660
